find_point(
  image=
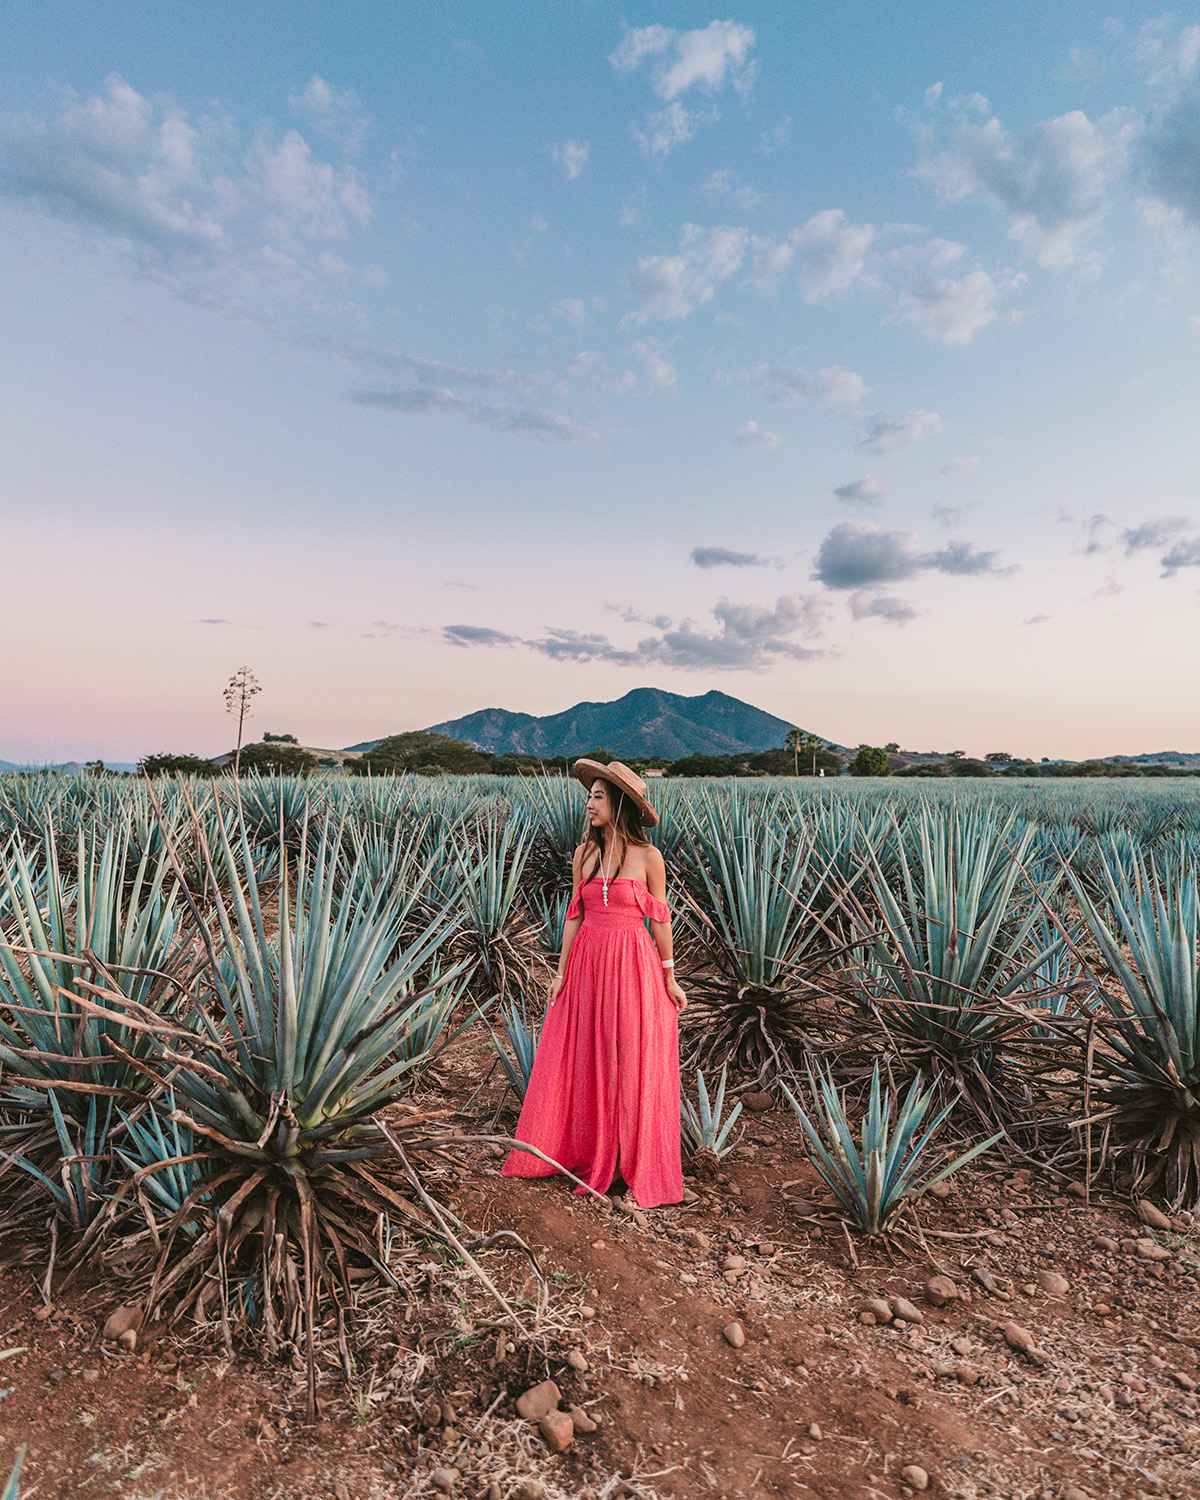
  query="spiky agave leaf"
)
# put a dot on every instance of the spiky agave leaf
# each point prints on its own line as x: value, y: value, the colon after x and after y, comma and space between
x: 705, y: 1131
x: 876, y: 1175
x: 1148, y: 930
x: 744, y: 884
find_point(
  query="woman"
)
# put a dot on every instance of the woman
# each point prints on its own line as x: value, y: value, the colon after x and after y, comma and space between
x: 603, y: 1096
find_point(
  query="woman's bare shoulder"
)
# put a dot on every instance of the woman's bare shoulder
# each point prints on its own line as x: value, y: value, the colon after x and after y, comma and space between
x: 654, y: 859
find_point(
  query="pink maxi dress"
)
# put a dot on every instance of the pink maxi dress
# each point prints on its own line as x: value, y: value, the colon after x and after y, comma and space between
x: 603, y: 1095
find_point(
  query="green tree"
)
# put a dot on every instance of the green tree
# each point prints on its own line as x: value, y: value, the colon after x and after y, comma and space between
x: 869, y: 761
x: 165, y: 764
x: 418, y: 751
x: 277, y: 760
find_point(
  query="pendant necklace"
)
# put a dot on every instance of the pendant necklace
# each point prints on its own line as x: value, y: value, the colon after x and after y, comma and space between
x: 604, y: 879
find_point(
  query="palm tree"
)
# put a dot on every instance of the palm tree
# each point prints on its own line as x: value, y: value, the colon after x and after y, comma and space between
x: 800, y: 740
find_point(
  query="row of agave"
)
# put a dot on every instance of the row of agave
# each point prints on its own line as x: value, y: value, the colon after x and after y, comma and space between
x: 209, y: 992
x: 193, y: 1072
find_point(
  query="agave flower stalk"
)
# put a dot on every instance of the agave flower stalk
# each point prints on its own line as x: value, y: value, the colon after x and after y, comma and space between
x: 875, y: 1176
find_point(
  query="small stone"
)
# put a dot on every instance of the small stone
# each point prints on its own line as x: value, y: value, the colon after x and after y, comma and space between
x: 128, y: 1340
x: 534, y: 1403
x: 558, y: 1430
x: 90, y: 1377
x: 598, y: 1245
x: 1102, y: 1310
x: 444, y: 1479
x: 1152, y: 1216
x: 1152, y: 1250
x: 968, y: 1375
x: 583, y: 1423
x: 1183, y: 1380
x: 42, y: 1314
x: 1076, y: 1190
x: 687, y: 1278
x: 940, y: 1189
x: 120, y: 1321
x: 697, y: 1239
x: 528, y: 1489
x: 734, y: 1335
x: 341, y: 1490
x: 1053, y: 1283
x: 814, y: 1431
x: 915, y: 1475
x: 577, y: 1360
x: 759, y: 1102
x: 868, y: 1319
x: 903, y: 1308
x: 878, y: 1308
x: 962, y: 1345
x: 939, y: 1290
x: 734, y: 1263
x: 1103, y: 1242
x: 587, y: 1313
x: 1017, y: 1338
x: 1073, y: 1492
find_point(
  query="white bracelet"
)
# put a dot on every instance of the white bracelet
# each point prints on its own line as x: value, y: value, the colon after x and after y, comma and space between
x: 668, y: 963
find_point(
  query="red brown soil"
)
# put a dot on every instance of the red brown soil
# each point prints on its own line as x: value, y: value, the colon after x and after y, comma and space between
x: 1106, y: 1404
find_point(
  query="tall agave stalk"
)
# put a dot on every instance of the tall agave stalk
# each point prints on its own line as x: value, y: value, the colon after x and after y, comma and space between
x: 1148, y: 930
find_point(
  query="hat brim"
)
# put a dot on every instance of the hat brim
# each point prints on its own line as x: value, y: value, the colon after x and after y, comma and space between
x: 588, y: 771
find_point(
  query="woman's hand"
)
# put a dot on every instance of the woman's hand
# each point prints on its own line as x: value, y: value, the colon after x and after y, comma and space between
x: 675, y: 995
x: 556, y: 985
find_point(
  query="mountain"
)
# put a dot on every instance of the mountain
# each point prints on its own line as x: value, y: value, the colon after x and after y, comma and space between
x: 646, y: 723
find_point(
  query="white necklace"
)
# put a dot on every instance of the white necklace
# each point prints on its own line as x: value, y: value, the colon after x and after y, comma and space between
x: 604, y: 879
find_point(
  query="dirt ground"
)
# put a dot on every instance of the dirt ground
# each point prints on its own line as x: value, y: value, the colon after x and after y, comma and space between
x: 1102, y: 1402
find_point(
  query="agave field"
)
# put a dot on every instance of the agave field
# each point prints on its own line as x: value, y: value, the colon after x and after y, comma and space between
x: 217, y: 1001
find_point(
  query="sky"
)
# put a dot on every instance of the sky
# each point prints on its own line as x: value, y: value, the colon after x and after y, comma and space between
x: 434, y: 357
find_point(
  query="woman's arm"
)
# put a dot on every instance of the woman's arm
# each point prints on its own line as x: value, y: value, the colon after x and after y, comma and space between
x: 656, y: 880
x: 569, y: 928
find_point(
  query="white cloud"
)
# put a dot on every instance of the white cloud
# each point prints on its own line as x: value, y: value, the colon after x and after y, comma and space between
x: 724, y: 184
x: 866, y: 491
x: 307, y: 195
x: 722, y: 557
x: 591, y: 370
x: 833, y: 251
x: 749, y: 638
x: 527, y: 422
x: 771, y: 262
x: 859, y: 555
x: 886, y: 607
x: 683, y: 60
x: 947, y: 310
x: 1170, y: 155
x: 666, y: 129
x: 572, y: 157
x: 572, y: 310
x: 658, y: 371
x: 336, y: 114
x: 959, y: 466
x: 887, y: 434
x: 1156, y: 532
x: 672, y: 286
x: 1052, y: 184
x: 833, y: 389
x: 754, y: 436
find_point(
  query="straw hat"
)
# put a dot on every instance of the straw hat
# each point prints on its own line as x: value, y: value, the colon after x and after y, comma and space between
x: 623, y: 779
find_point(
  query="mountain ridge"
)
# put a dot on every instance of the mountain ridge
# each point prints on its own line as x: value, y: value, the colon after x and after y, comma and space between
x: 646, y: 723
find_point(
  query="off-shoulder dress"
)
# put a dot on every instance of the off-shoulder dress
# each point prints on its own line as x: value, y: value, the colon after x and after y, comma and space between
x: 603, y: 1095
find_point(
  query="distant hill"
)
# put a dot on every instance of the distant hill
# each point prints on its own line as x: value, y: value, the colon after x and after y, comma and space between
x: 646, y: 723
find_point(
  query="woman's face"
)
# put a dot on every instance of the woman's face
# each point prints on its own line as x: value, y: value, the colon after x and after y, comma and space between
x: 599, y: 808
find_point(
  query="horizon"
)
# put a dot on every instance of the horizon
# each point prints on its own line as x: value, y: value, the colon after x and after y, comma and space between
x: 841, y: 360
x: 82, y: 759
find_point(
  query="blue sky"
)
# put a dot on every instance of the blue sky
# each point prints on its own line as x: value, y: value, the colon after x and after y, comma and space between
x: 432, y: 358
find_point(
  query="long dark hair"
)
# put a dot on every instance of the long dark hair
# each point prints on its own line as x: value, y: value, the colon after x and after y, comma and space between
x: 627, y: 827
